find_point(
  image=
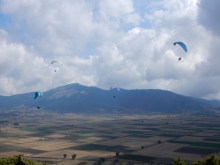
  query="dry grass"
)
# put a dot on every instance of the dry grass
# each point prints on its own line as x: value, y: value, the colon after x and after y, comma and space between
x: 160, y: 149
x: 184, y: 156
x: 128, y: 131
x: 191, y: 139
x: 80, y: 154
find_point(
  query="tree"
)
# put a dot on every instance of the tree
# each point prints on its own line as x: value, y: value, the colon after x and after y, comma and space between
x: 178, y: 161
x: 16, y: 123
x: 102, y: 159
x: 211, y: 160
x: 97, y: 163
x: 83, y: 163
x: 14, y: 159
x: 120, y: 163
x: 73, y: 156
x: 64, y: 155
x: 117, y: 153
x: 195, y: 162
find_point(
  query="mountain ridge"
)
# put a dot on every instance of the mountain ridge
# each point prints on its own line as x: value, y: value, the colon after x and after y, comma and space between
x: 77, y: 98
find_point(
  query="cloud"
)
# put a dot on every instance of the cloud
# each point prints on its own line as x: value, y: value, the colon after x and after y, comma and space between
x: 127, y: 43
x: 146, y: 57
x: 208, y: 15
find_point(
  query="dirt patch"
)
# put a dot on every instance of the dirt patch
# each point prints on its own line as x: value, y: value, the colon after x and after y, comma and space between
x: 160, y: 149
x: 32, y: 151
x: 139, y: 158
x: 197, y: 150
x: 6, y: 148
x: 93, y: 147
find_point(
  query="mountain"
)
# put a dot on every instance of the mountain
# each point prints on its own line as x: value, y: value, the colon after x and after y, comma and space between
x: 82, y: 99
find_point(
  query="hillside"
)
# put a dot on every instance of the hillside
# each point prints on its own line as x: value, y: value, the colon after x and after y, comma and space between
x: 78, y: 98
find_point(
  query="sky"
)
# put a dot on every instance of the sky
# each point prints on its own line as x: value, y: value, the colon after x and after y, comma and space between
x: 128, y: 43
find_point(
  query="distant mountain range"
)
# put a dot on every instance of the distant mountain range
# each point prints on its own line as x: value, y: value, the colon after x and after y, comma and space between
x: 77, y: 98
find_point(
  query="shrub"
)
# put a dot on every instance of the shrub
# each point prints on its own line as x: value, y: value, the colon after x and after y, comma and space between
x: 73, y: 156
x: 102, y: 159
x: 210, y: 160
x: 117, y: 153
x: 83, y: 163
x: 178, y: 161
x: 16, y: 123
x: 14, y: 159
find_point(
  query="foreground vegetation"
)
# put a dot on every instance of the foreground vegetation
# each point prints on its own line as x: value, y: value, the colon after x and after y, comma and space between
x: 14, y: 159
x: 208, y: 160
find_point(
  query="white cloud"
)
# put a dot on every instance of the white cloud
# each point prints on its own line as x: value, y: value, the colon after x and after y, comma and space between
x: 102, y: 43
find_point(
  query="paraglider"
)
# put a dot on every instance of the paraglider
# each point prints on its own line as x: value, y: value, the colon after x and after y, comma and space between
x: 38, y: 107
x: 40, y: 94
x: 56, y: 61
x: 182, y: 45
x: 114, y: 86
x: 179, y: 58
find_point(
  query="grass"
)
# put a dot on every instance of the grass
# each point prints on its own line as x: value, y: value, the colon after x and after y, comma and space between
x: 73, y: 137
x: 94, y: 147
x: 198, y: 144
x: 171, y: 135
x: 3, y: 121
x: 145, y: 124
x: 207, y: 145
x: 137, y: 158
x: 27, y: 129
x: 197, y: 150
x: 133, y: 132
x: 6, y: 148
x: 216, y: 129
x: 152, y: 129
x: 108, y: 136
x: 179, y: 141
x: 10, y: 136
x: 83, y: 132
x: 140, y: 136
x: 212, y: 139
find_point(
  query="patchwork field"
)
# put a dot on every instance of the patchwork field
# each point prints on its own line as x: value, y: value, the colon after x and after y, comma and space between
x: 146, y: 139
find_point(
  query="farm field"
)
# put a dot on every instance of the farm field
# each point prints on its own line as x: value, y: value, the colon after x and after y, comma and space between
x: 138, y: 139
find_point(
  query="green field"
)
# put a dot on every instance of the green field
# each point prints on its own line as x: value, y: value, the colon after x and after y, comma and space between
x: 148, y: 138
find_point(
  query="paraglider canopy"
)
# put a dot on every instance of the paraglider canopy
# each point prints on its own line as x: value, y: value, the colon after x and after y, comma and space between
x: 114, y: 86
x: 182, y: 45
x: 40, y: 94
x: 56, y: 61
x: 38, y: 107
